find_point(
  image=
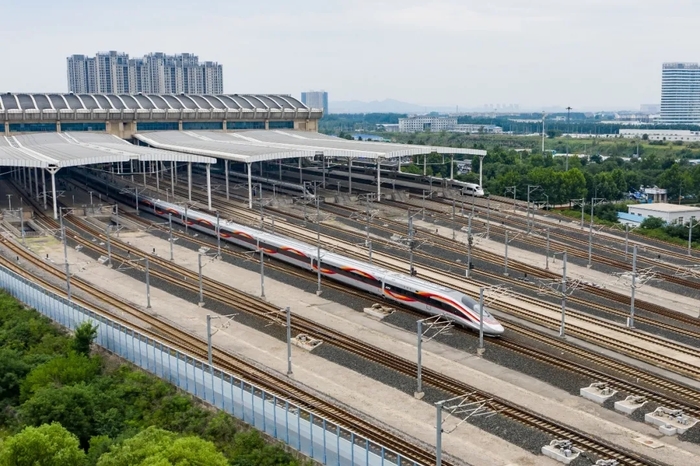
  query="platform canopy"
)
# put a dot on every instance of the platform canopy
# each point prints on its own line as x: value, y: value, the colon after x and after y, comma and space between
x: 59, y: 150
x: 264, y: 145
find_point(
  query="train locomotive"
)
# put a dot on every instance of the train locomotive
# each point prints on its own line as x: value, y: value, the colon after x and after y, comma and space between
x: 410, y: 291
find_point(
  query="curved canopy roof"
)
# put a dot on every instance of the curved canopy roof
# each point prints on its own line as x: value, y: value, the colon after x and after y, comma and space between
x: 57, y: 102
x: 258, y: 145
x: 58, y: 150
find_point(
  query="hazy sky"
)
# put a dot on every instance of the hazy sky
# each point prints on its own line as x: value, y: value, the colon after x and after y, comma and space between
x: 536, y: 53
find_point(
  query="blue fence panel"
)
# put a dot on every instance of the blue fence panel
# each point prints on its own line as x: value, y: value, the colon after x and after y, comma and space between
x: 310, y: 434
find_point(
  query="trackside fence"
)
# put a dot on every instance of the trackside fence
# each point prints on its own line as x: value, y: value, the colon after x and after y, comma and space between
x: 312, y: 435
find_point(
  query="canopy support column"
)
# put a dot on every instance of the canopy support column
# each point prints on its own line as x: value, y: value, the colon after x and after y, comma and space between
x: 208, y: 166
x: 250, y: 186
x: 452, y: 168
x: 226, y: 174
x: 301, y: 180
x: 53, y: 191
x: 189, y: 181
x: 43, y: 184
x: 279, y: 168
x: 379, y: 179
x: 36, y: 182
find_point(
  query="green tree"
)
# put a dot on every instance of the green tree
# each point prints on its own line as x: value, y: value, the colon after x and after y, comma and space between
x: 46, y: 445
x: 13, y: 369
x: 652, y: 223
x: 75, y: 407
x: 85, y: 333
x: 64, y: 370
x: 155, y: 446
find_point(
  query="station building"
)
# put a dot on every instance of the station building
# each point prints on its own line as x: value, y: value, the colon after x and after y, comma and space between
x: 124, y: 115
x: 669, y: 213
x: 41, y: 134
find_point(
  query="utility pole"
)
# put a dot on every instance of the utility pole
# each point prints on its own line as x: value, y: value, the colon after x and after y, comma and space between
x: 454, y: 234
x: 21, y: 223
x: 148, y: 285
x: 419, y: 372
x: 410, y: 243
x: 65, y: 254
x: 690, y: 236
x: 562, y: 329
x: 505, y: 256
x: 481, y: 316
x: 318, y: 244
x: 209, y: 355
x: 568, y: 129
x: 262, y: 270
x: 289, y: 341
x: 543, y: 133
x: 109, y: 246
x: 546, y: 262
x: 218, y: 234
x: 170, y: 233
x: 469, y: 245
x: 630, y: 322
x: 201, y: 287
x: 438, y: 440
x: 590, y: 233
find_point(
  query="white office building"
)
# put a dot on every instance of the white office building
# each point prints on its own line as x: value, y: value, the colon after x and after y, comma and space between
x: 661, y: 134
x: 417, y: 124
x: 680, y: 93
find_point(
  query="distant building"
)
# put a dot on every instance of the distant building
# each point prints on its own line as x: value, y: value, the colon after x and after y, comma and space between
x: 669, y: 213
x: 156, y: 73
x: 417, y: 124
x: 389, y: 127
x: 650, y: 108
x: 661, y: 134
x: 680, y: 93
x: 469, y: 128
x: 316, y: 99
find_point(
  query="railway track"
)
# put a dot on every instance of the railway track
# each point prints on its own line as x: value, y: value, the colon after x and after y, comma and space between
x: 228, y: 296
x: 688, y: 399
x: 189, y: 343
x: 471, y: 288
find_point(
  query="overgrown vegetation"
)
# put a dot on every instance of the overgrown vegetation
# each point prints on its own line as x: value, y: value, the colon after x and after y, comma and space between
x: 61, y: 405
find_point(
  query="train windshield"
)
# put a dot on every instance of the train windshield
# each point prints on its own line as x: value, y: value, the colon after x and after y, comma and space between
x: 470, y: 303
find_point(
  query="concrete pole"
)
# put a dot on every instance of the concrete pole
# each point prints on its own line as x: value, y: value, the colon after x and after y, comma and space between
x: 148, y: 286
x: 469, y: 246
x: 323, y: 171
x: 65, y: 256
x: 528, y: 209
x: 630, y: 323
x: 226, y: 176
x: 109, y: 245
x: 201, y: 287
x: 379, y: 181
x: 143, y: 169
x: 452, y: 167
x: 349, y: 175
x: 318, y: 245
x: 209, y: 355
x: 218, y: 235
x: 186, y: 220
x: 505, y: 269
x: 158, y: 168
x: 562, y: 329
x: 172, y: 176
x: 583, y: 204
x: 36, y: 182
x: 627, y: 238
x: 170, y: 233
x: 590, y: 237
x: 21, y: 224
x: 546, y: 260
x: 28, y: 174
x: 425, y: 165
x: 410, y: 243
x: 481, y: 318
x: 690, y: 236
x: 419, y: 371
x: 279, y: 169
x: 301, y: 177
x: 250, y: 185
x: 189, y: 181
x: 208, y: 168
x: 488, y: 217
x: 289, y: 340
x: 438, y: 440
x: 53, y: 193
x: 262, y: 270
x: 454, y: 233
x: 481, y: 171
x: 43, y: 184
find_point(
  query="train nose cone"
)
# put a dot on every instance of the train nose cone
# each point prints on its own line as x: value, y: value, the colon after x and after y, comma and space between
x: 497, y: 329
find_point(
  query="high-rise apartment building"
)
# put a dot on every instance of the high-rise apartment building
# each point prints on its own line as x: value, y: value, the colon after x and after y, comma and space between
x: 155, y: 73
x: 316, y: 99
x: 680, y: 93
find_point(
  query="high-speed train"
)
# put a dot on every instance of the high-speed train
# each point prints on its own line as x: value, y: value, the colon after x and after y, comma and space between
x: 410, y: 291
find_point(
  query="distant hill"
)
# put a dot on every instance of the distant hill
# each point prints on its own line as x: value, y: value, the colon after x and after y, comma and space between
x: 383, y: 106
